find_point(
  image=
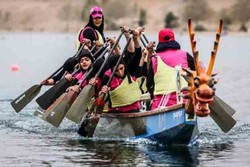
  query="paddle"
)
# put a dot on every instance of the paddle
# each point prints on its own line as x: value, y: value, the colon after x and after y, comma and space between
x: 21, y: 101
x: 223, y: 105
x: 98, y: 106
x: 150, y: 48
x: 80, y: 105
x: 48, y: 97
x: 145, y: 38
x: 56, y: 112
x: 221, y: 113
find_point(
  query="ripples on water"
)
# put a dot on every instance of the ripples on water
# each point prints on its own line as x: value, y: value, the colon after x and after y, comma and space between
x: 27, y: 140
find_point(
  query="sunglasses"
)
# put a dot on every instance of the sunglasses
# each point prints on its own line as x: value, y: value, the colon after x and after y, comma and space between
x: 97, y: 18
x: 96, y: 12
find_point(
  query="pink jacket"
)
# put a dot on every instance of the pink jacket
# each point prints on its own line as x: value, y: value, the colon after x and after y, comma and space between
x: 171, y: 57
x: 80, y: 76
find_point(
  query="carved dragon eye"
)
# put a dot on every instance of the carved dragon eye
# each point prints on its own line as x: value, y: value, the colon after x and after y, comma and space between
x: 196, y: 82
x: 211, y: 83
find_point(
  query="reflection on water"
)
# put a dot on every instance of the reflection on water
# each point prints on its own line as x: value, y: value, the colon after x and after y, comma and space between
x: 26, y: 140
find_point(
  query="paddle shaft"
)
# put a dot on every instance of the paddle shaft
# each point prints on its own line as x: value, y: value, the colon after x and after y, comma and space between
x: 79, y: 106
x: 145, y: 38
x: 76, y: 55
x: 47, y: 98
x: 58, y: 89
x: 118, y: 62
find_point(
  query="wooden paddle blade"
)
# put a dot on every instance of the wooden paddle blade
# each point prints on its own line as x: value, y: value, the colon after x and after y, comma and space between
x: 99, y: 102
x: 21, y: 101
x: 55, y: 113
x: 80, y: 105
x: 228, y: 109
x: 221, y: 117
x: 91, y: 125
x: 47, y: 99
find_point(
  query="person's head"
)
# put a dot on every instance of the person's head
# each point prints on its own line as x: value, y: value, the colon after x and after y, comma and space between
x: 96, y: 16
x: 166, y: 35
x: 166, y: 40
x: 120, y: 71
x: 85, y: 59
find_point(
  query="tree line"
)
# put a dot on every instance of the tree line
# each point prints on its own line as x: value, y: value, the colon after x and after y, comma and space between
x: 198, y: 10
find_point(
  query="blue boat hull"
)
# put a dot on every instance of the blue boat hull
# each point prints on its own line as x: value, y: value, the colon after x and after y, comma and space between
x: 166, y: 126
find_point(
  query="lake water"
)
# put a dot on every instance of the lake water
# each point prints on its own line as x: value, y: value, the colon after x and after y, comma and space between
x: 26, y: 140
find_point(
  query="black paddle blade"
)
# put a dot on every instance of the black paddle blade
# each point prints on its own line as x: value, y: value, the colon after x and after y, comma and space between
x: 221, y: 117
x: 47, y: 99
x: 57, y: 111
x: 21, y: 101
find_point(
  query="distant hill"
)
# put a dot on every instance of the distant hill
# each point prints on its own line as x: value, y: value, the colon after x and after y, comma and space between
x: 65, y: 15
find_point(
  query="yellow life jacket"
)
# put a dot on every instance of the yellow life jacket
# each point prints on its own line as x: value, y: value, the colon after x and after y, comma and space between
x: 125, y: 94
x: 100, y: 39
x: 165, y: 79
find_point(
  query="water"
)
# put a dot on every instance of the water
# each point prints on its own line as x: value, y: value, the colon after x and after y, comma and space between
x: 26, y: 140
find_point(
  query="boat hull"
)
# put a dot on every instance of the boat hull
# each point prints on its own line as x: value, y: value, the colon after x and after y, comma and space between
x: 166, y: 126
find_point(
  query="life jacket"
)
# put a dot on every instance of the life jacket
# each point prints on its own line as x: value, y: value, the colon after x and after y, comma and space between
x: 123, y: 93
x: 80, y: 38
x: 165, y: 73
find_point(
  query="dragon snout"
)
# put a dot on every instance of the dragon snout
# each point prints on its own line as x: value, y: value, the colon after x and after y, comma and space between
x: 204, y: 96
x: 205, y: 93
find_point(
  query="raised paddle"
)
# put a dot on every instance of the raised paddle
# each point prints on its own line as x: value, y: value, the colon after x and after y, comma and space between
x: 80, y: 105
x: 145, y: 38
x: 98, y: 106
x: 21, y: 101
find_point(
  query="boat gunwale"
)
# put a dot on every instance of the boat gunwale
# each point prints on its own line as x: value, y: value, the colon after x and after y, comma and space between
x: 143, y: 113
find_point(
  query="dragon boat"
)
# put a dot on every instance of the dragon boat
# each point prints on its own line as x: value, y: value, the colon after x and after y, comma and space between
x: 175, y: 124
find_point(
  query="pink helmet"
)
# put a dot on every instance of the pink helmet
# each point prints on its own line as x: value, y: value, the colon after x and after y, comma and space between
x: 96, y: 12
